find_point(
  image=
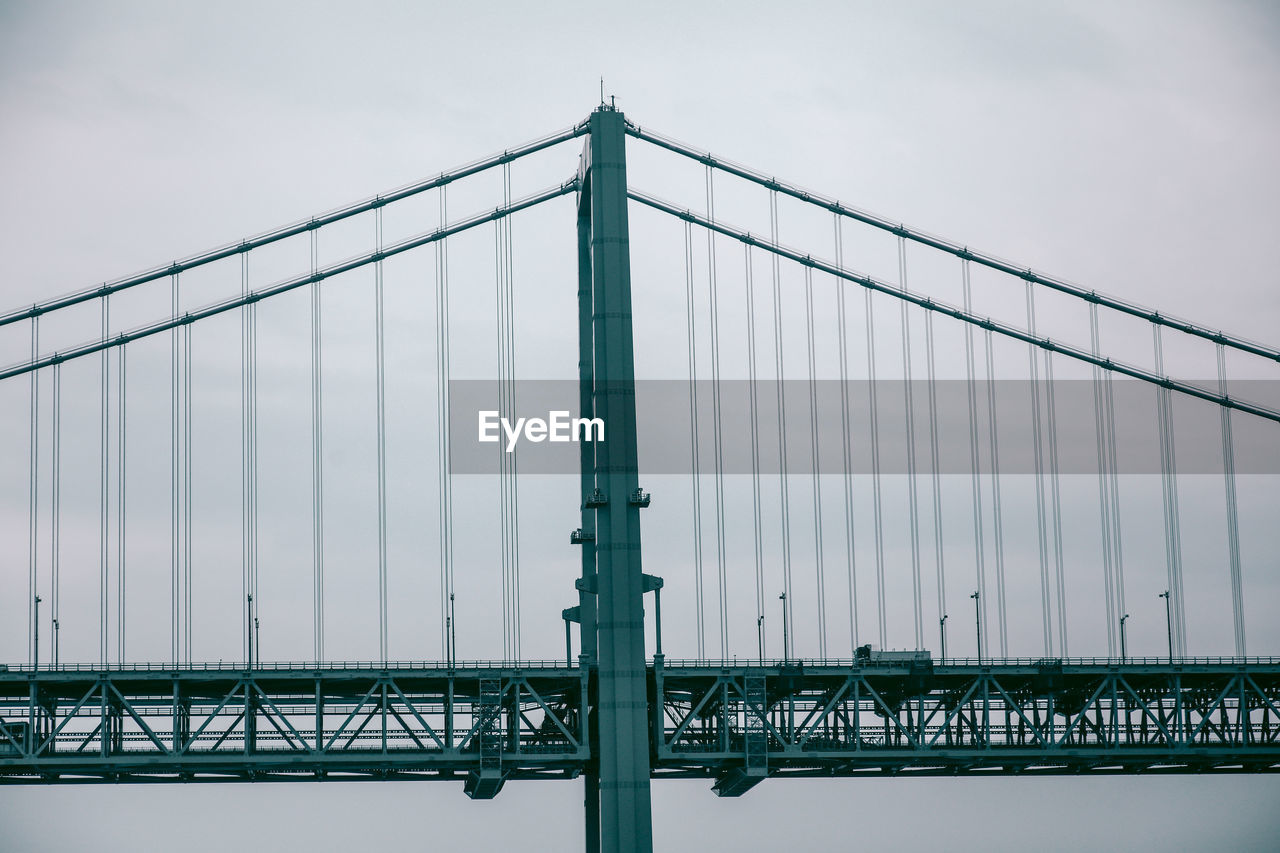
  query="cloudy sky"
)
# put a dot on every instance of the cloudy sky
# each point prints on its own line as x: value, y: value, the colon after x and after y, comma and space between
x: 1128, y: 147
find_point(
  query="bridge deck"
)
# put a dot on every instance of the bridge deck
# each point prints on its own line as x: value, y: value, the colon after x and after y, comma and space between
x: 735, y: 723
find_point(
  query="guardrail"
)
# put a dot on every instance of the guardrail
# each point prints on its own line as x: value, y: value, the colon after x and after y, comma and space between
x: 939, y: 662
x: 684, y: 663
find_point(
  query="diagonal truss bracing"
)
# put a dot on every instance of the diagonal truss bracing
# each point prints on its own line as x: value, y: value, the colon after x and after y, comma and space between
x: 736, y: 724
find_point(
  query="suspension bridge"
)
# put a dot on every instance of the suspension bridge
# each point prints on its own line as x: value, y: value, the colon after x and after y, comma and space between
x: 820, y: 512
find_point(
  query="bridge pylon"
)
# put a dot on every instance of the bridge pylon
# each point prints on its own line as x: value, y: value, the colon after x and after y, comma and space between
x: 618, y: 803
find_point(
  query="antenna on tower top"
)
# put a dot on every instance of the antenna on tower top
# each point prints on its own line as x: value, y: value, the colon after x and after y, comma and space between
x: 602, y: 90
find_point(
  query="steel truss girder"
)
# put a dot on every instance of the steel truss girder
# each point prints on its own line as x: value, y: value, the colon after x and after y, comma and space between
x: 1003, y: 719
x: 735, y: 724
x: 209, y: 725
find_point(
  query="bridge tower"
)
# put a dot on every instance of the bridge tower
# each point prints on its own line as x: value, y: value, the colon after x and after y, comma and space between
x: 618, y: 808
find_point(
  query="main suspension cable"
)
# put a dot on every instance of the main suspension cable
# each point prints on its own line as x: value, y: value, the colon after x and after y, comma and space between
x: 239, y: 301
x: 930, y: 304
x: 776, y: 186
x: 440, y: 182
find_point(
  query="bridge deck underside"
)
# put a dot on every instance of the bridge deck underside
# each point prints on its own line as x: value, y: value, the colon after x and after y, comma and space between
x: 735, y: 724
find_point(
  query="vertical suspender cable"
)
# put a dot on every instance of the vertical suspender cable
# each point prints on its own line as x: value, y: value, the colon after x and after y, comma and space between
x: 511, y: 376
x: 1056, y: 502
x: 1233, y: 516
x: 713, y: 310
x: 1117, y: 541
x: 753, y: 399
x: 1037, y: 447
x: 939, y: 557
x: 103, y: 504
x: 845, y: 438
x: 246, y: 450
x: 875, y: 466
x: 121, y: 468
x: 33, y: 495
x: 508, y: 503
x: 979, y: 530
x: 910, y: 409
x: 175, y: 475
x: 504, y: 458
x: 1104, y: 503
x: 188, y: 562
x: 253, y: 466
x: 788, y: 605
x: 317, y: 456
x: 997, y: 518
x: 691, y: 337
x: 1169, y: 479
x: 447, y: 626
x: 817, y: 483
x: 55, y: 520
x: 381, y: 379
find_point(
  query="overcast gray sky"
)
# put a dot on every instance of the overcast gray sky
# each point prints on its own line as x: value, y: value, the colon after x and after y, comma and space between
x: 1129, y: 147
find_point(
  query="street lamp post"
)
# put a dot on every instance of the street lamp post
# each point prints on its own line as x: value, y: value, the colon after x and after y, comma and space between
x: 1123, y: 649
x: 760, y: 636
x: 942, y: 628
x: 35, y: 646
x: 786, y: 639
x: 977, y: 618
x: 1168, y: 620
x: 248, y: 630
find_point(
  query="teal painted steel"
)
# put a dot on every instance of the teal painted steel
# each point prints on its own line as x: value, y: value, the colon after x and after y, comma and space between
x: 621, y: 710
x: 734, y: 724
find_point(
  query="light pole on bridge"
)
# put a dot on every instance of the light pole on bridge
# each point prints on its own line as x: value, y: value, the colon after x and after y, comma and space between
x: 942, y: 629
x: 1168, y: 620
x: 35, y: 624
x: 786, y: 638
x: 977, y: 618
x: 1124, y: 653
x: 248, y: 630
